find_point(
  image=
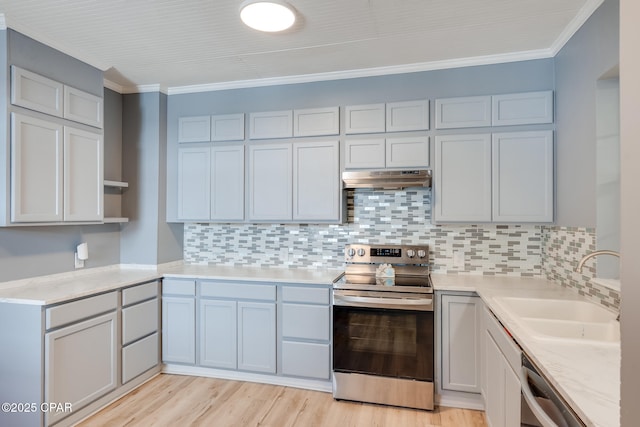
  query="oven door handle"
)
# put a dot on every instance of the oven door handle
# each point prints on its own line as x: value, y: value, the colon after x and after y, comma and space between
x: 415, y: 304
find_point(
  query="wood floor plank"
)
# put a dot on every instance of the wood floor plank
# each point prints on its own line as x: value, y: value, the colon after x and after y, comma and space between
x: 177, y: 400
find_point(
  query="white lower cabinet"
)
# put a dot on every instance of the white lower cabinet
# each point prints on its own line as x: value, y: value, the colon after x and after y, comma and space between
x: 80, y: 363
x: 257, y: 337
x: 502, y: 363
x: 218, y: 334
x: 178, y: 321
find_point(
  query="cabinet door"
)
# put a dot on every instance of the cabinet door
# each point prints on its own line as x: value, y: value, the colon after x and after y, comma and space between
x: 36, y: 170
x: 227, y: 127
x: 522, y: 108
x: 218, y: 339
x: 364, y: 118
x: 408, y: 115
x: 194, y: 183
x: 270, y: 182
x: 364, y: 153
x: 83, y: 175
x: 307, y: 322
x: 82, y: 107
x: 194, y: 129
x: 271, y: 124
x: 472, y: 111
x: 316, y: 181
x: 139, y: 357
x: 257, y: 337
x: 227, y: 183
x: 461, y: 335
x: 80, y: 363
x: 33, y: 91
x: 178, y: 330
x: 512, y: 399
x: 316, y: 121
x: 495, y: 388
x: 463, y: 178
x: 407, y: 152
x: 523, y: 176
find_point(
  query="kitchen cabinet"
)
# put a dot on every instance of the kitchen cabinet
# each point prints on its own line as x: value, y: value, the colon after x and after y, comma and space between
x: 316, y: 181
x: 316, y: 121
x: 462, y: 185
x: 306, y: 332
x: 194, y: 183
x: 407, y: 116
x: 378, y: 153
x: 140, y: 330
x: 502, y: 364
x: 83, y: 107
x: 178, y: 321
x: 368, y: 118
x: 56, y: 172
x: 271, y: 124
x: 504, y: 177
x: 461, y: 335
x: 270, y: 182
x: 237, y: 326
x: 36, y: 92
x: 194, y: 129
x: 463, y: 112
x: 227, y: 127
x: 522, y: 108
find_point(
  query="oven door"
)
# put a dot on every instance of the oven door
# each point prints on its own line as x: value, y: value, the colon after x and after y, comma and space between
x: 383, y: 335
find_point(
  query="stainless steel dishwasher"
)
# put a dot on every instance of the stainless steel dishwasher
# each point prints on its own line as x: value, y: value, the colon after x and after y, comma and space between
x: 542, y: 406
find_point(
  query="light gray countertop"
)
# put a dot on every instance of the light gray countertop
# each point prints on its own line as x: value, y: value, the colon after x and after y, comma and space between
x: 587, y: 375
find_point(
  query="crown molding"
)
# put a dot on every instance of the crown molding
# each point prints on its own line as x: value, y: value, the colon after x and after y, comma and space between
x: 366, y: 72
x: 576, y: 23
x: 113, y: 86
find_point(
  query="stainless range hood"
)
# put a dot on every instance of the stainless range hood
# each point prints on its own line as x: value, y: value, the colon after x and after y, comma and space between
x: 387, y: 179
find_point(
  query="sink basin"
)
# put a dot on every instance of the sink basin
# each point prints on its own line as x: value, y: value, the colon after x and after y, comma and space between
x: 556, y: 309
x: 608, y: 332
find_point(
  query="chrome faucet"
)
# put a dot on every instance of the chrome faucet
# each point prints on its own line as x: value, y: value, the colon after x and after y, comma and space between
x: 593, y: 254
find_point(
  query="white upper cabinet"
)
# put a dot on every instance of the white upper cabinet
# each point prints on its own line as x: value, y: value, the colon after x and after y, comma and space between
x: 473, y: 111
x: 316, y: 121
x: 364, y: 153
x: 36, y: 170
x: 82, y: 107
x: 316, y: 183
x: 407, y: 152
x: 364, y: 118
x: 83, y: 175
x: 270, y: 182
x: 227, y: 127
x: 33, y: 91
x: 522, y: 108
x: 407, y: 116
x: 194, y: 129
x: 227, y: 183
x: 194, y: 183
x: 271, y: 124
x: 462, y: 184
x: 523, y: 176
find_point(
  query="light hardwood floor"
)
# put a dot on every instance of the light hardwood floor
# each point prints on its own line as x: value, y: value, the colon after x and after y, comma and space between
x: 175, y: 400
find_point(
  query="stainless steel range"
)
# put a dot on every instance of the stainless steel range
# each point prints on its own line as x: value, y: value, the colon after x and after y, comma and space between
x: 383, y: 327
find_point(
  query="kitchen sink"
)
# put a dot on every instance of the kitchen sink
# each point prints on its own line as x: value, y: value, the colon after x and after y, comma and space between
x: 556, y: 309
x: 604, y: 332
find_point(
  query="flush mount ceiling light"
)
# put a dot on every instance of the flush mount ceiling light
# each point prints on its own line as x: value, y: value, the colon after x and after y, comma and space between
x: 268, y: 16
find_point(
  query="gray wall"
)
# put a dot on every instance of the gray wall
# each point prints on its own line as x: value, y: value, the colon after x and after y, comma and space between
x: 144, y: 240
x: 630, y: 236
x: 481, y: 80
x: 590, y: 53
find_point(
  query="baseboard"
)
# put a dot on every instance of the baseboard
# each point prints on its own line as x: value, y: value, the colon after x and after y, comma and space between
x: 472, y: 401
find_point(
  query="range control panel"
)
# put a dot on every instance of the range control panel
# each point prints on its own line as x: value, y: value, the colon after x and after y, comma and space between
x: 389, y: 254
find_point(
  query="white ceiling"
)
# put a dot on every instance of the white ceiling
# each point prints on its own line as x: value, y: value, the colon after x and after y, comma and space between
x: 188, y: 45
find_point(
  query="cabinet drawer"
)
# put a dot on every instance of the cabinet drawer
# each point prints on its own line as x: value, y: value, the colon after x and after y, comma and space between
x: 306, y: 321
x: 179, y: 287
x: 139, y: 320
x: 81, y: 309
x: 308, y: 295
x: 139, y: 357
x: 509, y: 348
x: 306, y: 359
x: 139, y: 293
x: 238, y: 290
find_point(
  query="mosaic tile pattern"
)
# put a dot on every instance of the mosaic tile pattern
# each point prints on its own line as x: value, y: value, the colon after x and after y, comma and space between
x: 373, y: 216
x: 562, y: 249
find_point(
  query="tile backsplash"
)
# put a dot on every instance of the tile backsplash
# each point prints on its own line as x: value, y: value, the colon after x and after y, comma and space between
x: 374, y: 216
